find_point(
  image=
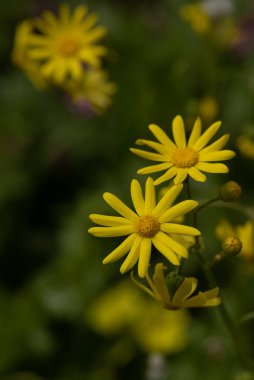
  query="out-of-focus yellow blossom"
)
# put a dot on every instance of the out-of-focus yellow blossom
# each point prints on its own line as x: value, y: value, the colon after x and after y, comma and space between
x: 94, y: 90
x: 115, y: 309
x: 160, y: 330
x: 243, y: 232
x: 150, y: 224
x: 181, y: 297
x: 181, y: 158
x: 245, y: 145
x: 208, y: 108
x: 22, y: 59
x: 198, y: 19
x: 124, y: 309
x: 225, y: 32
x: 67, y: 42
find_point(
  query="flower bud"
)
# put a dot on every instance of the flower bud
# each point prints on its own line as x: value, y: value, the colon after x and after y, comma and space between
x: 231, y: 246
x: 230, y: 191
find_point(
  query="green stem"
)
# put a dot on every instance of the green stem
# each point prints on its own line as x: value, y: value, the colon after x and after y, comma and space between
x: 244, y: 361
x: 206, y: 204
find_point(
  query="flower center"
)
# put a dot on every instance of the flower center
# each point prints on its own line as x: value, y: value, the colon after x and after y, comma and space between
x: 185, y: 158
x: 68, y: 46
x: 147, y: 226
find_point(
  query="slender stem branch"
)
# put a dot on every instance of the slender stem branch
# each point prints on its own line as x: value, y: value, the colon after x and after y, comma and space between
x: 244, y: 361
x: 206, y: 204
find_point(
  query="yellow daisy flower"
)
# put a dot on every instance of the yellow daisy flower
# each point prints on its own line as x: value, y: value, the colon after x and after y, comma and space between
x: 93, y: 92
x: 150, y: 224
x: 181, y: 158
x: 20, y: 56
x: 245, y: 144
x: 181, y: 298
x: 65, y: 43
x: 198, y: 19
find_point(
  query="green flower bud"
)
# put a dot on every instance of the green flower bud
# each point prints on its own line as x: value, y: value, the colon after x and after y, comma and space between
x: 231, y: 246
x: 230, y: 191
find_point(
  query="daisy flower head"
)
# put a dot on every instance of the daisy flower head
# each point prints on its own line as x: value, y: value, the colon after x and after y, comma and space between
x: 64, y: 44
x: 181, y: 158
x: 150, y: 224
x: 93, y: 93
x: 182, y: 297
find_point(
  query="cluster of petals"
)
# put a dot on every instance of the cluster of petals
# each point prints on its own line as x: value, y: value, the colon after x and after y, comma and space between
x: 181, y: 158
x: 183, y: 296
x: 150, y: 224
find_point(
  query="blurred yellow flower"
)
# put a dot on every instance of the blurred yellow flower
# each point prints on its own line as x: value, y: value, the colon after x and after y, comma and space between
x: 208, y: 108
x: 243, y: 232
x: 21, y: 58
x: 198, y: 19
x: 66, y: 43
x: 180, y: 299
x: 245, y: 145
x: 180, y: 158
x: 93, y: 91
x: 124, y: 309
x: 151, y: 224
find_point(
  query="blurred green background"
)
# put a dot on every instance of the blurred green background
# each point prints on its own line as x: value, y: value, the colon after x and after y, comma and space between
x: 55, y: 163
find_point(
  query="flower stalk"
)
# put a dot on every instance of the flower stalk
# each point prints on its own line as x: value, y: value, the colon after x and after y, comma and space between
x: 243, y: 357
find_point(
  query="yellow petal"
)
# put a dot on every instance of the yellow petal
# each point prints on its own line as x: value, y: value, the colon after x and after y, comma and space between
x: 206, y: 136
x: 195, y: 133
x: 119, y: 206
x: 121, y: 250
x: 89, y: 22
x: 172, y: 244
x: 164, y: 250
x: 160, y: 283
x: 149, y: 155
x: 187, y: 287
x: 196, y: 301
x: 151, y: 144
x: 133, y: 256
x: 162, y: 136
x: 75, y: 69
x: 196, y: 174
x: 217, y: 145
x: 150, y: 196
x: 217, y: 156
x: 179, y: 132
x: 79, y: 14
x: 170, y: 173
x: 155, y: 168
x: 143, y: 287
x: 179, y: 209
x: 64, y: 13
x: 174, y: 228
x: 144, y: 259
x: 137, y: 197
x: 212, y: 168
x: 109, y: 221
x: 167, y: 200
x: 112, y: 231
x: 181, y: 174
x: 94, y: 35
